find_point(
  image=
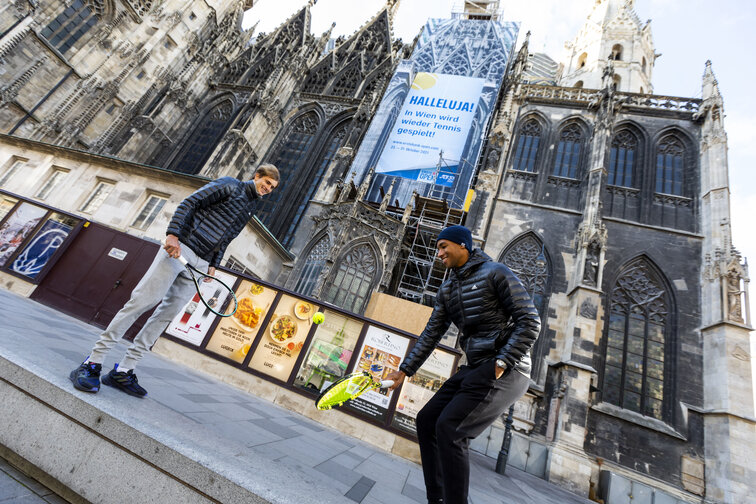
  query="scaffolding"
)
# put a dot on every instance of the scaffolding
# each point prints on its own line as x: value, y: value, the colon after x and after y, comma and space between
x: 421, y: 274
x: 482, y: 10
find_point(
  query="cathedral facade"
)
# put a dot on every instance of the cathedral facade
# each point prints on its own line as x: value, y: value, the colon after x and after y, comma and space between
x: 610, y: 203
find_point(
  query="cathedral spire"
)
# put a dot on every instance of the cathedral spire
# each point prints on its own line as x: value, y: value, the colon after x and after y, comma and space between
x: 710, y: 84
x: 712, y: 108
x: 392, y: 6
x: 611, y: 31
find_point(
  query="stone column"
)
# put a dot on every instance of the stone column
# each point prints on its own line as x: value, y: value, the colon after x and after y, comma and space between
x: 568, y: 465
x: 728, y: 409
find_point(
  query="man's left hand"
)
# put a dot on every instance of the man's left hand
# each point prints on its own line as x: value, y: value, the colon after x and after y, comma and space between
x: 211, y: 272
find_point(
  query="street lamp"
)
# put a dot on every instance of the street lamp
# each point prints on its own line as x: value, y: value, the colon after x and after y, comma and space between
x: 501, y: 460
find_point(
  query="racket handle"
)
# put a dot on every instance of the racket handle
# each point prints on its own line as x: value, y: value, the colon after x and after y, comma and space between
x: 182, y: 260
x: 386, y: 383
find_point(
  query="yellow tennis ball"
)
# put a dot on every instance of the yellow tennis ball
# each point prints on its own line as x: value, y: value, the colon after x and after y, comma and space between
x: 318, y: 318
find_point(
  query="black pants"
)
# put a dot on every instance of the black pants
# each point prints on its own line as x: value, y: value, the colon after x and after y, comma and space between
x: 464, y: 406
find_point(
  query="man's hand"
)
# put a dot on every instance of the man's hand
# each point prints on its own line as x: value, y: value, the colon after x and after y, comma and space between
x: 398, y: 377
x: 211, y: 272
x: 172, y: 246
x: 499, y: 371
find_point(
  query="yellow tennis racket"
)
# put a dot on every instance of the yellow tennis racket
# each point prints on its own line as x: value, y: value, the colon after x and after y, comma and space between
x: 349, y: 387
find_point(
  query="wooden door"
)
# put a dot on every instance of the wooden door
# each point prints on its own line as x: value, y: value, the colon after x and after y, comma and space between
x: 96, y: 275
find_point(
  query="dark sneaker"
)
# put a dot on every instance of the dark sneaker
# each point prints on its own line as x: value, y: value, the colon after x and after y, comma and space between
x: 124, y: 381
x: 86, y: 377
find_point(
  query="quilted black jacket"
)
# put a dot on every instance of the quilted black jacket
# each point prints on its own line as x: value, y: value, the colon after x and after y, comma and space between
x: 492, y: 310
x: 208, y: 219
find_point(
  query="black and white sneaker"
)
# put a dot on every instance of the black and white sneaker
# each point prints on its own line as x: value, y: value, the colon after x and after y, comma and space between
x: 124, y: 381
x: 86, y: 377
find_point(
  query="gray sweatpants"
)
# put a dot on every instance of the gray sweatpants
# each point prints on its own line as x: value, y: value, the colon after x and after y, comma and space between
x: 166, y: 280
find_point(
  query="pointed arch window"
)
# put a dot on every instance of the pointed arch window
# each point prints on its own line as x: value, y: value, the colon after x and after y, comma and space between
x: 616, y: 54
x: 622, y: 160
x: 636, y: 342
x: 205, y: 138
x: 567, y: 159
x: 313, y: 266
x: 669, y: 166
x: 332, y: 145
x: 527, y: 259
x: 71, y: 24
x: 527, y: 146
x: 350, y: 285
x: 288, y: 158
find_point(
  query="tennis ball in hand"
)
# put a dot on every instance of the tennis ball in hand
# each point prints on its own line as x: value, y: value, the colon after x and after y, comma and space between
x: 318, y: 318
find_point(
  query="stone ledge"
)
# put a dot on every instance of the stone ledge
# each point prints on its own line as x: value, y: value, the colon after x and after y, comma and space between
x: 638, y: 419
x: 79, y: 444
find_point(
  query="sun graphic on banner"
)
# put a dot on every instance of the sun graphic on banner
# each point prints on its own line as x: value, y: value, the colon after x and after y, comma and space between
x: 424, y: 80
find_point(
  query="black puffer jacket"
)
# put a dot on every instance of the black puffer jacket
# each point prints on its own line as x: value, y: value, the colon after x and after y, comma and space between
x: 208, y: 219
x: 492, y: 310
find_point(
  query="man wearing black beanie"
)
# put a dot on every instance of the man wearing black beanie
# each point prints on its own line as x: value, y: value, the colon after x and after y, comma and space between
x: 498, y: 325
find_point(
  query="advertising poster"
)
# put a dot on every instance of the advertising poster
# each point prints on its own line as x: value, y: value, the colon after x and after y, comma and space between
x: 429, y: 136
x: 194, y: 320
x: 18, y: 226
x: 283, y: 338
x: 381, y: 353
x: 6, y: 205
x: 45, y: 243
x: 233, y: 336
x: 417, y: 389
x: 330, y: 351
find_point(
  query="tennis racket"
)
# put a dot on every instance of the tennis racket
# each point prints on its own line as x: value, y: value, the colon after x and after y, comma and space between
x: 211, y: 284
x: 349, y: 387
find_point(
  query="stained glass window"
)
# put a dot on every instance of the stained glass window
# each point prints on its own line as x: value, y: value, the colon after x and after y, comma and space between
x: 313, y: 266
x: 527, y: 146
x: 622, y: 159
x: 669, y: 166
x: 527, y: 259
x: 331, y: 147
x: 71, y: 24
x: 350, y: 286
x: 636, y: 342
x: 288, y: 158
x: 567, y: 159
x: 205, y: 138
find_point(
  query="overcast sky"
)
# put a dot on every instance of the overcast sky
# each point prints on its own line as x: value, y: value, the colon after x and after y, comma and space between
x: 685, y: 32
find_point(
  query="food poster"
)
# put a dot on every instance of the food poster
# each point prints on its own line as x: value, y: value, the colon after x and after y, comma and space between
x: 381, y: 353
x: 417, y: 389
x: 283, y: 338
x: 233, y: 336
x: 18, y: 226
x: 329, y: 352
x: 194, y: 320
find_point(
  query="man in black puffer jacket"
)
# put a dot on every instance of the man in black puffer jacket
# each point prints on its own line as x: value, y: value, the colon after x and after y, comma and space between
x: 201, y: 228
x: 498, y: 325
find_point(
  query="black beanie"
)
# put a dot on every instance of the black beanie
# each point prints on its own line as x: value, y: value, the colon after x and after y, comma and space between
x: 457, y: 234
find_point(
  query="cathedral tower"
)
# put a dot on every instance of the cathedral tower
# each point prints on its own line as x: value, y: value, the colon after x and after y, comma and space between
x: 614, y: 32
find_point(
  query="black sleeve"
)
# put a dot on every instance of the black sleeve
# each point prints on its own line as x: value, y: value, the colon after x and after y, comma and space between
x: 516, y: 301
x: 431, y: 335
x: 211, y: 193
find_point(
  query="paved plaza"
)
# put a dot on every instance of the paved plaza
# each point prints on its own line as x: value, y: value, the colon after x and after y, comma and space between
x: 242, y: 437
